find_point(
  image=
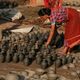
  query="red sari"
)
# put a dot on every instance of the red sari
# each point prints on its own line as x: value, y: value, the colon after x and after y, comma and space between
x: 72, y: 28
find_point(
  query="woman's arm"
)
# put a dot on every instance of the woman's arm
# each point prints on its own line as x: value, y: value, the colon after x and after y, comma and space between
x: 51, y: 35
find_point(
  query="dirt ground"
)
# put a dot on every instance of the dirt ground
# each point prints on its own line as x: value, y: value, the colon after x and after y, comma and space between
x: 31, y: 13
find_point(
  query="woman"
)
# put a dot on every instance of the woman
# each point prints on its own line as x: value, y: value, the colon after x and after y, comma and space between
x: 59, y: 14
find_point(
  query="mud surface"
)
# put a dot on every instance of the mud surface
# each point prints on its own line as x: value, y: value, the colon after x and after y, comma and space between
x: 31, y: 13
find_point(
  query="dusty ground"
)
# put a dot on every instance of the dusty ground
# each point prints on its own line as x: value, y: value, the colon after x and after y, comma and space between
x: 31, y: 13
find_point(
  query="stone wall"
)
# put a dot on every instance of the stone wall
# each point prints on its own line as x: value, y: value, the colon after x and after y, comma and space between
x: 72, y: 2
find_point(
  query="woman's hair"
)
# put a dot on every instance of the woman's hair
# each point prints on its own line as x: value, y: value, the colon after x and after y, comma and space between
x: 44, y: 11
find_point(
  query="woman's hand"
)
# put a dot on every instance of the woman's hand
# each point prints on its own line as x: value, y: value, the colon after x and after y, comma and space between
x: 46, y: 44
x: 51, y: 35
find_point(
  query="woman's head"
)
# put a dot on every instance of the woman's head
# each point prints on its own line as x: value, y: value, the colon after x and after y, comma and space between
x: 44, y: 13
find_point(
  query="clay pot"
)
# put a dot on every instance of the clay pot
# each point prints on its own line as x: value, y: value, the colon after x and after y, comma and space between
x: 12, y: 51
x: 38, y: 59
x: 38, y: 35
x: 17, y: 38
x: 13, y: 39
x: 30, y: 44
x: 64, y: 60
x: 7, y: 38
x: 69, y: 59
x: 33, y: 41
x: 27, y: 61
x: 54, y: 57
x: 24, y: 51
x: 26, y: 38
x: 28, y: 48
x: 47, y: 51
x: 31, y: 54
x: 40, y: 42
x: 43, y: 47
x: 58, y: 62
x: 2, y: 58
x: 49, y: 60
x: 3, y: 51
x: 8, y: 57
x: 36, y: 47
x: 15, y: 47
x: 33, y: 48
x: 21, y: 57
x: 15, y: 58
x: 44, y: 54
x: 44, y: 64
x: 21, y: 36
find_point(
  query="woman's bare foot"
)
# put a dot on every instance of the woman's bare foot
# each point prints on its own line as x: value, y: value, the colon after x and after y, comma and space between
x: 63, y: 51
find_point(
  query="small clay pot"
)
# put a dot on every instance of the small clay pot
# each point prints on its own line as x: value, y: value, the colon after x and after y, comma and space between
x: 17, y: 38
x: 36, y: 47
x: 21, y: 57
x: 27, y: 61
x: 64, y: 60
x: 27, y: 38
x: 28, y: 48
x: 16, y: 58
x: 38, y: 35
x: 8, y: 57
x: 2, y: 58
x: 58, y: 62
x: 54, y: 56
x: 30, y: 55
x: 44, y: 53
x: 44, y: 64
x: 40, y: 42
x: 21, y: 36
x: 38, y: 59
x: 69, y: 59
x: 49, y: 60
